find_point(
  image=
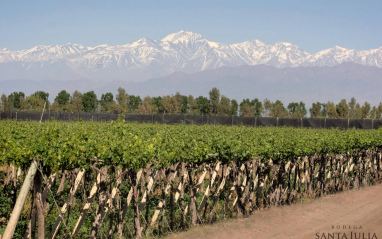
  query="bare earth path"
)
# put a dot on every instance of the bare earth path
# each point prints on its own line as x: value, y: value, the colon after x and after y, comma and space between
x: 346, y: 215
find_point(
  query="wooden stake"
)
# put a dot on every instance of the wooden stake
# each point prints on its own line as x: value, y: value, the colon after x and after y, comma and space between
x: 64, y: 208
x: 86, y: 207
x: 208, y: 190
x: 11, y: 226
x: 39, y: 205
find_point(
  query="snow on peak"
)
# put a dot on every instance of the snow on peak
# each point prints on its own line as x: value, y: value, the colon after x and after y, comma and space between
x: 181, y: 51
x: 182, y: 36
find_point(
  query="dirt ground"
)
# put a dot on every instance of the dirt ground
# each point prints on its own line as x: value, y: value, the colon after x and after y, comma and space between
x: 347, y: 215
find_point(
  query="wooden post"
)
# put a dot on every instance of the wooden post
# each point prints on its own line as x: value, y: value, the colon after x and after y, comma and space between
x: 20, y: 201
x: 137, y: 223
x: 65, y: 207
x: 39, y: 205
x: 86, y: 207
x: 166, y: 191
x: 208, y: 190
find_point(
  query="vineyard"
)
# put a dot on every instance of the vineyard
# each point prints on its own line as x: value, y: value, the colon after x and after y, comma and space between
x: 126, y: 180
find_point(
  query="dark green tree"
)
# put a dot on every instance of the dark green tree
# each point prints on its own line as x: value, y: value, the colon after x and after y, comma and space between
x: 214, y: 100
x: 224, y: 106
x: 134, y: 102
x: 315, y: 111
x: 203, y: 105
x: 15, y: 99
x: 256, y: 103
x: 62, y: 98
x: 234, y: 107
x: 297, y: 110
x: 106, y: 100
x: 184, y: 107
x: 89, y: 101
x: 158, y: 106
x: 42, y: 95
x: 342, y: 109
x: 365, y: 110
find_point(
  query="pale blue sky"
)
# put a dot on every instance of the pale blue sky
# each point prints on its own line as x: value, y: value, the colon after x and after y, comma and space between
x: 312, y: 25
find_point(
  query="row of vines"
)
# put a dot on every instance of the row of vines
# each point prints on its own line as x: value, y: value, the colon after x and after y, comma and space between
x: 121, y: 180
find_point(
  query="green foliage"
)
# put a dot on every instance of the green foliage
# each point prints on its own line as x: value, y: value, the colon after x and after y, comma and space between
x: 214, y: 100
x: 15, y: 99
x: 89, y: 101
x: 278, y: 110
x: 42, y: 95
x: 62, y: 98
x: 297, y: 110
x: 203, y: 105
x: 251, y: 107
x: 134, y: 102
x: 123, y: 100
x: 72, y: 145
x: 157, y: 101
x: 106, y: 101
x: 342, y: 109
x: 234, y: 107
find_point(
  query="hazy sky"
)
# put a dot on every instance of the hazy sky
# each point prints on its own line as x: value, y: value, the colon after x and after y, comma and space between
x: 312, y: 25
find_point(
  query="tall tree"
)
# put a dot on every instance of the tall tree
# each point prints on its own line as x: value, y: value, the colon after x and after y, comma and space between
x: 278, y: 110
x: 214, y: 100
x: 62, y: 98
x: 158, y: 106
x: 365, y: 110
x: 203, y: 105
x: 297, y: 110
x: 372, y: 112
x: 171, y: 105
x: 106, y: 101
x: 246, y: 108
x: 5, y: 105
x: 192, y: 106
x: 331, y: 110
x: 34, y: 102
x: 224, y: 106
x: 76, y: 102
x: 358, y: 111
x: 42, y: 95
x: 256, y: 103
x: 315, y: 111
x: 134, y: 102
x: 234, y: 107
x: 342, y: 109
x: 352, y: 112
x: 146, y: 107
x: 123, y: 101
x: 89, y: 102
x: 15, y: 99
x: 267, y: 108
x: 378, y: 111
x: 183, y: 102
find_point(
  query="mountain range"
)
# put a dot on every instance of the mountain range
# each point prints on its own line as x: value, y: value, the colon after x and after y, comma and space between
x: 183, y: 51
x: 289, y: 84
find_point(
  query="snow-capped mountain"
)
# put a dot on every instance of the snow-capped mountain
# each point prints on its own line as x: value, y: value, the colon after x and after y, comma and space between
x: 182, y: 51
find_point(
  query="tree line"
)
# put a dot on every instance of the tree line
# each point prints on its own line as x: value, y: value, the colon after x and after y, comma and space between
x: 215, y: 104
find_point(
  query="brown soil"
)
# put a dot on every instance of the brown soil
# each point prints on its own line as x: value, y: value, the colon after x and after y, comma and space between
x: 351, y: 214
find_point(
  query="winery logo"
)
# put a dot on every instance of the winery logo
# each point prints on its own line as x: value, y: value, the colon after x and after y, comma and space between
x: 346, y: 232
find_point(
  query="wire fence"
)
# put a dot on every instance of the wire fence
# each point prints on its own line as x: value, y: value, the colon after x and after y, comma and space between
x: 196, y: 119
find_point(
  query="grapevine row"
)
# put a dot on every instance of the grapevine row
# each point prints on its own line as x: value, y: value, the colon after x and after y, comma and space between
x: 70, y: 145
